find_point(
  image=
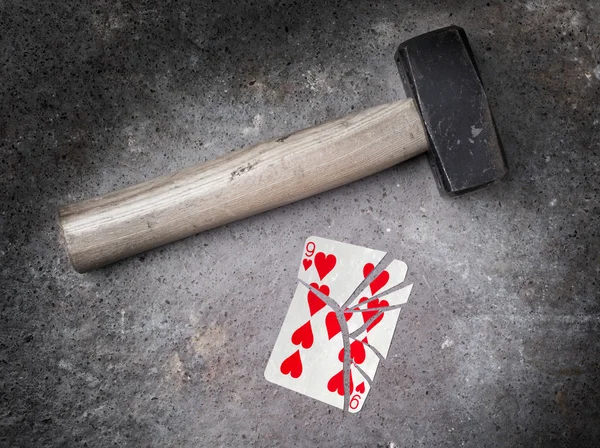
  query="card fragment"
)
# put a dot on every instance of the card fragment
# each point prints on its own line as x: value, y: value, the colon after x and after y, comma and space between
x: 325, y: 350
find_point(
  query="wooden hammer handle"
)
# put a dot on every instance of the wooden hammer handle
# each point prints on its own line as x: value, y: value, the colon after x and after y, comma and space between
x: 105, y: 229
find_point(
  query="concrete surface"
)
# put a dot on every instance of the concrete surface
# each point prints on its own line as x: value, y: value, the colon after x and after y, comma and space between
x: 500, y: 342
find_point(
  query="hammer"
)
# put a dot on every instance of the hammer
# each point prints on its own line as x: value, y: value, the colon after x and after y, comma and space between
x: 447, y: 112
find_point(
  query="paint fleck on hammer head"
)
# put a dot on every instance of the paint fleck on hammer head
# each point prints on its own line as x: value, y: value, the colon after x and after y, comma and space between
x: 439, y: 72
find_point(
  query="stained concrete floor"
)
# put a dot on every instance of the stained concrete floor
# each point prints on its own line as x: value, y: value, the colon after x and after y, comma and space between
x: 499, y: 345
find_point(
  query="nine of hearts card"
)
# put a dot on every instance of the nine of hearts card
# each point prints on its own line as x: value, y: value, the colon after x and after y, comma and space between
x: 332, y: 339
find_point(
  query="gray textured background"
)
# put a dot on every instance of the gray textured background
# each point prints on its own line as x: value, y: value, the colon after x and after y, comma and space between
x: 499, y: 345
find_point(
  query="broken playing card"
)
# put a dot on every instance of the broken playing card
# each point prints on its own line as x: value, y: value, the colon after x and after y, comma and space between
x: 324, y: 318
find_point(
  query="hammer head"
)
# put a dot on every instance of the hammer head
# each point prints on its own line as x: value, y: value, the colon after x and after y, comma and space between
x: 439, y: 72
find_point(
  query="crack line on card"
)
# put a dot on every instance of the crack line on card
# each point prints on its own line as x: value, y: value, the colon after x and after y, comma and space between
x: 384, y: 263
x: 362, y: 372
x: 345, y: 339
x: 373, y: 349
x: 384, y: 308
x: 394, y: 288
x: 328, y: 300
x: 364, y: 327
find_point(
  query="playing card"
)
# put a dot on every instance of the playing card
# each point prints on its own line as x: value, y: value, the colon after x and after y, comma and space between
x: 309, y: 356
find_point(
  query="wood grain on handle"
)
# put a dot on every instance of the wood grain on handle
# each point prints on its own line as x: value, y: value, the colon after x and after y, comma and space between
x: 105, y: 229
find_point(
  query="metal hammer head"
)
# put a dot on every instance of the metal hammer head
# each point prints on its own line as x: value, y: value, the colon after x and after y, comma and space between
x: 439, y: 72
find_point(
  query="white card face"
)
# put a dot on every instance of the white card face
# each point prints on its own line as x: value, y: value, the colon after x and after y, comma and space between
x: 308, y: 356
x: 338, y: 265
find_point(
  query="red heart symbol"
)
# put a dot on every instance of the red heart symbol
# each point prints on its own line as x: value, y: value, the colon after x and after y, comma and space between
x: 357, y: 353
x: 292, y: 365
x: 314, y: 303
x: 324, y: 264
x: 303, y: 335
x: 307, y: 263
x: 361, y: 388
x: 379, y: 282
x: 336, y: 383
x: 369, y: 314
x: 332, y: 324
